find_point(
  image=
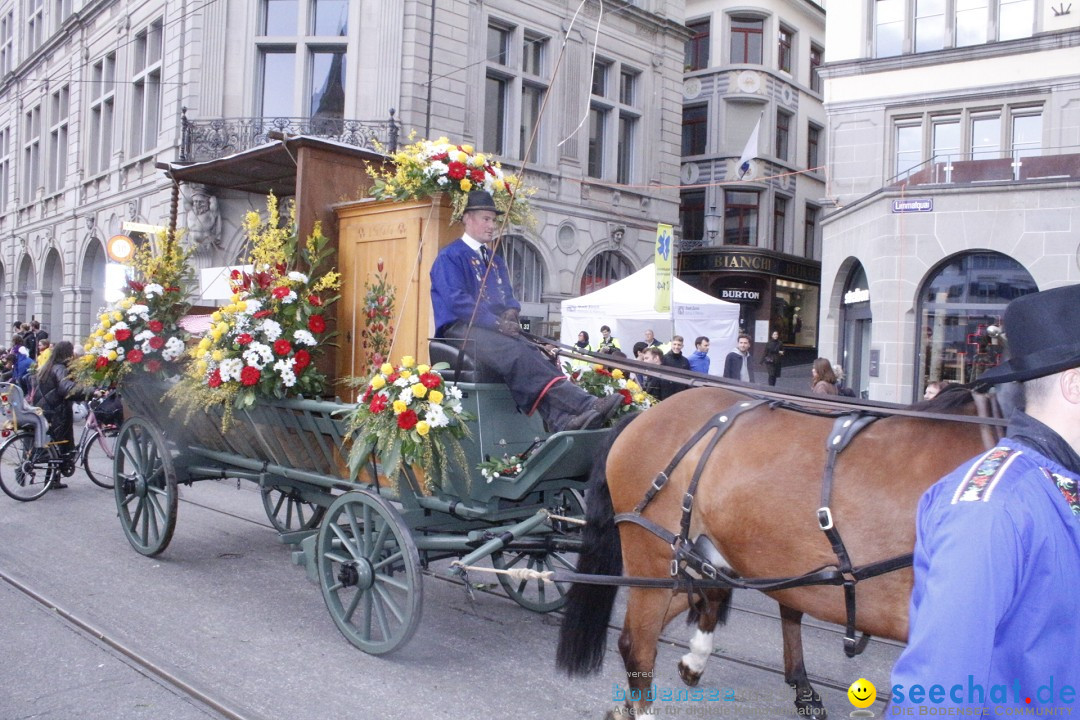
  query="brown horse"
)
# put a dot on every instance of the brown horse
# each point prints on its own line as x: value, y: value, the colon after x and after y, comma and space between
x: 756, y: 501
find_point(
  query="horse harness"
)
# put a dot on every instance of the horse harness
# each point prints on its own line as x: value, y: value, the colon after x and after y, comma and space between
x: 696, y: 564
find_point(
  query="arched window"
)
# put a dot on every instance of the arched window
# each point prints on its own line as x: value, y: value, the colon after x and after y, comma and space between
x: 960, y: 299
x: 603, y: 270
x: 526, y: 268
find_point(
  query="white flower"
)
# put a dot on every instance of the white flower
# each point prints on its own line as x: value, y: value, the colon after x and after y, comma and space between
x: 406, y: 395
x: 144, y: 335
x: 230, y: 369
x: 174, y: 348
x: 403, y: 383
x: 138, y: 311
x: 455, y: 392
x: 145, y: 347
x: 435, y: 416
x: 303, y: 337
x: 298, y: 277
x: 289, y: 299
x: 118, y: 326
x: 283, y: 368
x: 443, y: 180
x: 153, y: 289
x: 253, y: 306
x: 258, y: 355
x: 108, y: 346
x: 456, y: 408
x: 271, y: 329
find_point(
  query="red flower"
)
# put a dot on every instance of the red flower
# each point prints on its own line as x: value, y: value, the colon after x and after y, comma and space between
x: 262, y: 314
x: 173, y: 288
x: 380, y: 263
x: 135, y: 356
x: 215, y: 379
x: 136, y: 285
x: 457, y: 170
x: 627, y: 398
x: 282, y: 347
x: 301, y: 360
x: 235, y: 274
x: 249, y: 375
x: 263, y: 279
x: 153, y: 365
x: 281, y: 292
x: 123, y: 335
x: 477, y: 175
x: 391, y: 378
x: 315, y: 300
x: 367, y: 394
x: 244, y: 339
x: 379, y: 402
x: 102, y: 361
x: 316, y: 323
x: 407, y: 420
x: 430, y: 380
x: 156, y: 326
x: 157, y: 342
x: 602, y: 371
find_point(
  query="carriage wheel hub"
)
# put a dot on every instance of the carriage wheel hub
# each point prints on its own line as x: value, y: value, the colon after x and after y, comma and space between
x: 357, y: 574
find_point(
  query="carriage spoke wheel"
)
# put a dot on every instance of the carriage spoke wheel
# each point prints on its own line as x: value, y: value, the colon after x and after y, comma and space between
x: 145, y: 486
x: 288, y: 511
x: 369, y: 571
x: 538, y: 595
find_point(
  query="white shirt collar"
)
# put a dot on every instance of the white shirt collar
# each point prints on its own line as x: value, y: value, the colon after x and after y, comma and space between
x: 471, y: 243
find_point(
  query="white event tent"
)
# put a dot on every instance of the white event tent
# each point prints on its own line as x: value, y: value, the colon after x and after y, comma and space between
x: 627, y: 307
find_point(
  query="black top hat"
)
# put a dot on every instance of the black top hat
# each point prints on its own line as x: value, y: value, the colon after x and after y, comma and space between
x: 1043, y: 333
x: 481, y: 200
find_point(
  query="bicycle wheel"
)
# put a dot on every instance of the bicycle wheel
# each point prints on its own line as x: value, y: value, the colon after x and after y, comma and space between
x: 97, y: 457
x: 21, y: 478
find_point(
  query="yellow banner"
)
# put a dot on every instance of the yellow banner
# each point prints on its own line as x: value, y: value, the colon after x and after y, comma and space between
x: 662, y: 261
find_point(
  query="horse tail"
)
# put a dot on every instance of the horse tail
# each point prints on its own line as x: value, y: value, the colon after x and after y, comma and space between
x: 583, y: 634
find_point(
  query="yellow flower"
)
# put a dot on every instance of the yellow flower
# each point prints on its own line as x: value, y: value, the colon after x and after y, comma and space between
x: 88, y: 347
x: 435, y: 396
x: 112, y: 355
x: 632, y: 386
x: 117, y: 316
x: 105, y: 322
x: 422, y: 368
x: 466, y: 184
x: 639, y: 398
x: 597, y: 366
x: 399, y: 407
x: 204, y: 344
x: 217, y: 356
x: 236, y: 297
x: 201, y: 367
x: 109, y: 337
x: 422, y: 428
x: 480, y: 159
x: 386, y: 368
x: 390, y: 189
x: 127, y: 302
x: 241, y: 306
x: 408, y: 361
x: 460, y: 156
x: 617, y: 374
x: 405, y: 374
x: 216, y: 316
x: 467, y: 148
x: 222, y: 327
x: 378, y: 382
x: 418, y: 390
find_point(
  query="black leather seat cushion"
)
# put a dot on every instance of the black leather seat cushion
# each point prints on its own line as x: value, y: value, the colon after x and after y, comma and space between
x: 463, y: 367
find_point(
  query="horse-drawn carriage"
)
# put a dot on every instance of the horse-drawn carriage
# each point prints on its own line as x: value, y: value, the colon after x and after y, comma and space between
x: 364, y: 541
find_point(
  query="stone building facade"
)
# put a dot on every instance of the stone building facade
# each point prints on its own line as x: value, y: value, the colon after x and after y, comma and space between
x: 96, y: 93
x: 954, y: 166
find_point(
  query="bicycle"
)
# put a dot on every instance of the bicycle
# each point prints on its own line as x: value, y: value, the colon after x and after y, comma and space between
x: 97, y: 443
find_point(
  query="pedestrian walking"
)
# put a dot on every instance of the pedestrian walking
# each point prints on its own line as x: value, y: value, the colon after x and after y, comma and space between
x: 737, y: 362
x: 773, y: 359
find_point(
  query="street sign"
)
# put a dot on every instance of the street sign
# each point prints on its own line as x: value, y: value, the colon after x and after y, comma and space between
x: 909, y: 205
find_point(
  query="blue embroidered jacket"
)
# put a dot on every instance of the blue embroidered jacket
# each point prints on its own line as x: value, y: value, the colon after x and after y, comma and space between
x: 456, y: 279
x: 995, y: 601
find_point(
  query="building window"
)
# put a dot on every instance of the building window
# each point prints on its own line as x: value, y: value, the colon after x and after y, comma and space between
x: 516, y: 86
x: 31, y: 155
x: 302, y: 62
x: 813, y: 140
x: 525, y: 266
x: 1026, y: 135
x: 695, y: 129
x: 58, y: 139
x: 783, y: 133
x: 606, y: 268
x: 35, y: 24
x: 146, y: 89
x: 692, y: 215
x: 780, y: 206
x: 102, y: 92
x: 624, y: 164
x: 784, y: 44
x: 597, y: 126
x: 600, y: 78
x: 816, y: 57
x: 908, y: 147
x: 929, y: 25
x: 945, y: 140
x: 985, y: 136
x: 61, y: 11
x: 888, y: 28
x: 7, y: 43
x: 1016, y: 19
x: 5, y: 167
x: 972, y: 22
x: 960, y: 299
x: 697, y: 47
x: 810, y: 231
x: 614, y: 113
x: 740, y: 217
x: 746, y: 40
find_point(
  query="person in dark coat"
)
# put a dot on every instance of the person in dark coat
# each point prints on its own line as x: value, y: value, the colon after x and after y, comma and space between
x: 55, y: 392
x: 471, y: 285
x: 675, y: 359
x: 774, y: 356
x: 737, y: 362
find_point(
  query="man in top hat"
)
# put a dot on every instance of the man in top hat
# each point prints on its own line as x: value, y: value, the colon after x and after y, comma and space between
x: 997, y: 550
x: 473, y: 299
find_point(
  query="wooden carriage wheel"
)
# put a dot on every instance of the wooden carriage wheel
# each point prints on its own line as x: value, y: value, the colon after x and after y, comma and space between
x: 144, y: 482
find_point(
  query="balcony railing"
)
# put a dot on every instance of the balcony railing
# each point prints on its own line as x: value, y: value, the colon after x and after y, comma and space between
x: 203, y: 140
x: 1061, y: 163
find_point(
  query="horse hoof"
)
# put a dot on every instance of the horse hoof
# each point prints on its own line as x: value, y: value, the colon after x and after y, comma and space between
x: 690, y: 677
x: 809, y: 705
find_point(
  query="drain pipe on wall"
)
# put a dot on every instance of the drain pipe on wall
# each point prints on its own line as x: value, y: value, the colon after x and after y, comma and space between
x: 430, y: 70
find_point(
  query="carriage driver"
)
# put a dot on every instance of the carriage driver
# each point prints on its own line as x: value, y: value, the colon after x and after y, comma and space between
x: 463, y: 285
x: 997, y: 551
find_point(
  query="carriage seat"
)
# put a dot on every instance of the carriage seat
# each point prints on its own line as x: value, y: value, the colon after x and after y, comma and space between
x: 462, y: 369
x: 15, y: 407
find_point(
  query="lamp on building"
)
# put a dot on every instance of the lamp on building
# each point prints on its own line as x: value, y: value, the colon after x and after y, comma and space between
x: 712, y: 223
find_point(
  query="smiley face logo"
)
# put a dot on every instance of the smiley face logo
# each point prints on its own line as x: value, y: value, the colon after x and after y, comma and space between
x: 862, y: 693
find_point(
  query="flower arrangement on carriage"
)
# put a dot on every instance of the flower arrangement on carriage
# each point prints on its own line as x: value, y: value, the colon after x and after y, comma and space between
x: 378, y: 333
x: 429, y: 167
x: 264, y: 342
x: 601, y: 382
x: 409, y: 415
x: 140, y: 332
